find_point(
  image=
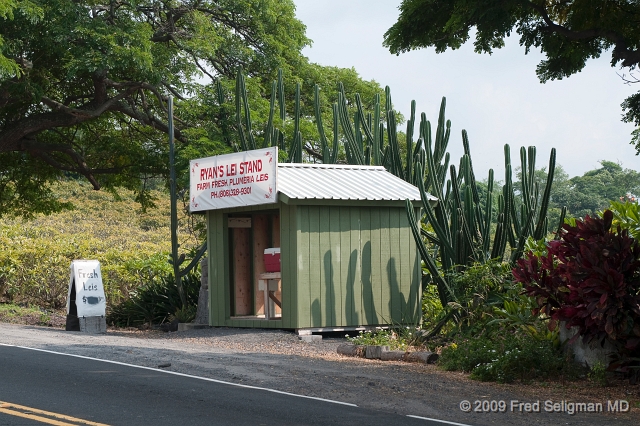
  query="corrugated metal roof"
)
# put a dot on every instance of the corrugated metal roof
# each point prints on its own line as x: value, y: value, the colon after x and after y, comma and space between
x: 342, y: 182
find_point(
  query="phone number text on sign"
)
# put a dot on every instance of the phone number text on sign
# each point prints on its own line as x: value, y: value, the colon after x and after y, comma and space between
x: 230, y: 192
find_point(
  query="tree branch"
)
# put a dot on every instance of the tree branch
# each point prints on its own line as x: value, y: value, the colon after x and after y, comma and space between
x: 621, y: 51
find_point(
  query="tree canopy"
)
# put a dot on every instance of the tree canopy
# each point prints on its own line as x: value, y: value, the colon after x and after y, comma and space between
x: 567, y: 32
x: 83, y: 84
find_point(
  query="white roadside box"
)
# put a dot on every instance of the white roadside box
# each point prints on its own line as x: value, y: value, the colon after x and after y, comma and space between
x: 86, y: 303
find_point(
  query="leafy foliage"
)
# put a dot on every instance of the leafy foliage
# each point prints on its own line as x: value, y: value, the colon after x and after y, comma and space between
x: 568, y: 33
x: 626, y: 215
x: 505, y: 357
x: 397, y: 338
x: 479, y: 289
x: 157, y: 302
x: 595, y: 189
x: 590, y: 279
x: 131, y: 245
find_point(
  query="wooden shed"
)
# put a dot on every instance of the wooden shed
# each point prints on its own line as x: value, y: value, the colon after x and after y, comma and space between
x: 348, y: 258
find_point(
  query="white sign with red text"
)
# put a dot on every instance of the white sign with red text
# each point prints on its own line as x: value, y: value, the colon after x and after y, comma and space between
x: 241, y: 179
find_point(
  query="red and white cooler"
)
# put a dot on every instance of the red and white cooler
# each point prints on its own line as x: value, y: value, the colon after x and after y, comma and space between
x: 272, y: 259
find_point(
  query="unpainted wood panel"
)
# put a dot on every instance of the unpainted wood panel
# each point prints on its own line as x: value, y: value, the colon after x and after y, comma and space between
x: 242, y: 270
x: 260, y: 224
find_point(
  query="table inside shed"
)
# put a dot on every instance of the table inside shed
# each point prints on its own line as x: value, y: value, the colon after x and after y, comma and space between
x: 269, y: 283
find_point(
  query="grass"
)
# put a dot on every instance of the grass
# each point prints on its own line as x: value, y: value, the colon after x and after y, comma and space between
x: 30, y: 315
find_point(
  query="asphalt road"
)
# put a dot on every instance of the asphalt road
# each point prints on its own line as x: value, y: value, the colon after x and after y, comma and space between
x: 117, y: 394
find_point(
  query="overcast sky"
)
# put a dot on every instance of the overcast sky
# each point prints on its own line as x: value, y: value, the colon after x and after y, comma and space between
x: 496, y: 98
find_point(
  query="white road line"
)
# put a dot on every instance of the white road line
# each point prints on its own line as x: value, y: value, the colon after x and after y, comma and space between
x: 439, y: 421
x: 184, y: 375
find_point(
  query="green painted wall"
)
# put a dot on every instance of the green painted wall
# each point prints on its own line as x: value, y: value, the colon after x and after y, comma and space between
x: 342, y: 265
x: 361, y: 265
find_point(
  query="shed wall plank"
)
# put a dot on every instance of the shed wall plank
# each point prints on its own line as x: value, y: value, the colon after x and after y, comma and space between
x: 301, y: 260
x: 335, y: 261
x: 347, y: 275
x: 354, y: 217
x: 376, y: 266
x: 406, y: 270
x: 284, y: 264
x: 385, y: 253
x: 394, y: 267
x: 365, y: 278
x: 325, y: 266
x: 316, y: 273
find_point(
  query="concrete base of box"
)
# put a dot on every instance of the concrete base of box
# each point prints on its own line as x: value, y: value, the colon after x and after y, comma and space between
x: 185, y: 326
x: 93, y: 325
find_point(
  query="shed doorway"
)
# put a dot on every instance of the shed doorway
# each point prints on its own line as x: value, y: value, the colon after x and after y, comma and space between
x: 251, y: 286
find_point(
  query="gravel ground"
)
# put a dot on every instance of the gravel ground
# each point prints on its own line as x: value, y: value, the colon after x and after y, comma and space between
x: 277, y: 359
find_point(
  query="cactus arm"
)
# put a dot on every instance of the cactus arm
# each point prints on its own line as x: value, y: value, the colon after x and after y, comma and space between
x: 472, y: 176
x: 386, y: 158
x: 377, y: 134
x: 281, y: 97
x: 396, y: 163
x: 488, y: 211
x: 241, y: 96
x: 561, y: 222
x: 524, y: 178
x: 547, y: 195
x: 441, y: 141
x: 268, y: 132
x: 410, y: 125
x: 324, y: 144
x: 354, y: 155
x: 365, y: 125
x: 532, y: 166
x: 296, y: 111
x: 431, y: 217
x: 443, y: 288
x: 336, y: 138
x: 499, y: 243
x: 223, y: 116
x: 515, y: 254
x: 243, y: 140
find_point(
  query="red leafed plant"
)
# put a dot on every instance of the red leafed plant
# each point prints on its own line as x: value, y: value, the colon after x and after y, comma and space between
x: 590, y: 278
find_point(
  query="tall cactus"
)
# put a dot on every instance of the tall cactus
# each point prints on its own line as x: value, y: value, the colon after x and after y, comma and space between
x: 464, y: 231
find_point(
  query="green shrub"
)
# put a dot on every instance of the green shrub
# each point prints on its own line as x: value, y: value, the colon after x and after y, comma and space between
x: 505, y: 357
x: 36, y: 254
x: 397, y: 338
x: 478, y: 290
x: 157, y: 302
x: 589, y: 279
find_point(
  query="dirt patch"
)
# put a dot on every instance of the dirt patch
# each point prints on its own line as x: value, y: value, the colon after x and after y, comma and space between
x: 14, y: 314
